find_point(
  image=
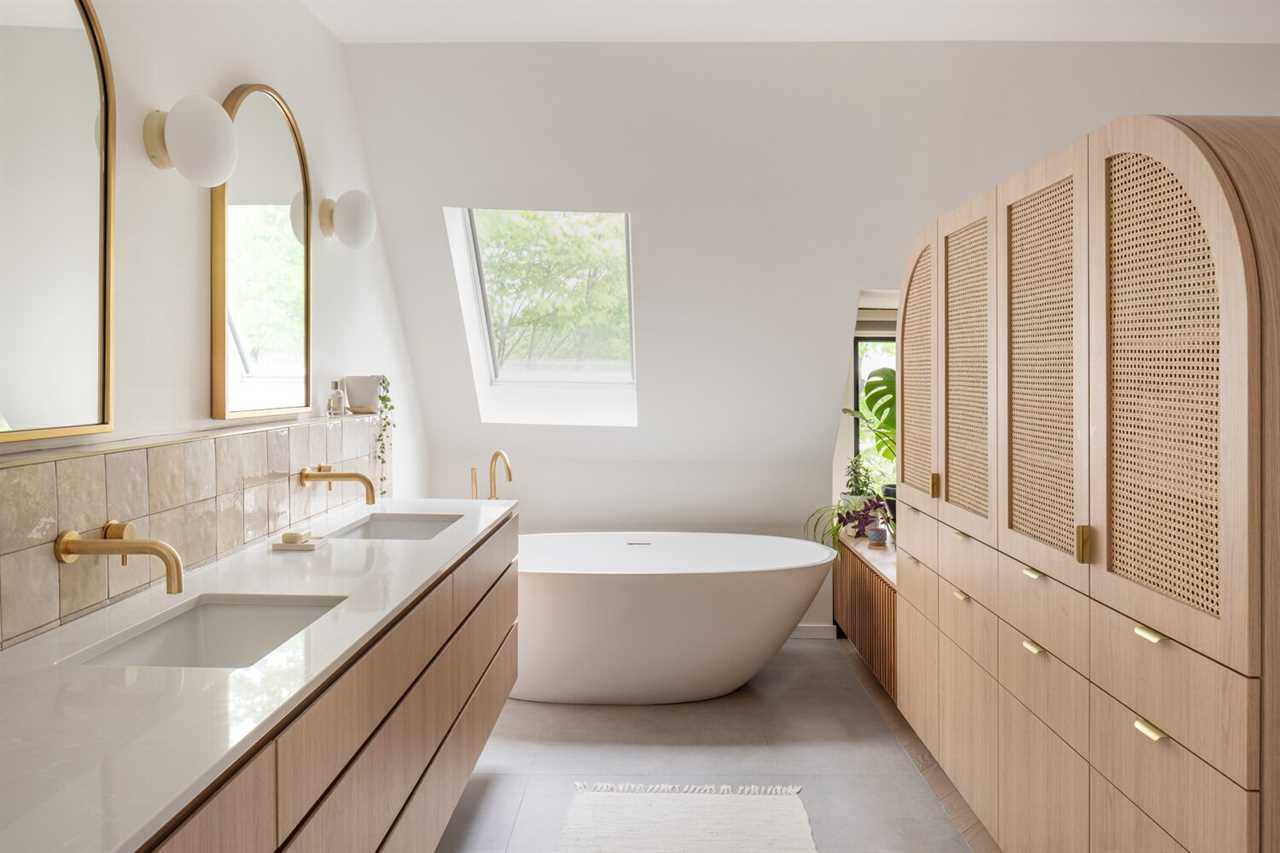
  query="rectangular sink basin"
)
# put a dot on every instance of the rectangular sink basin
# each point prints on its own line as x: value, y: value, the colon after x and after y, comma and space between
x: 398, y: 525
x: 212, y: 630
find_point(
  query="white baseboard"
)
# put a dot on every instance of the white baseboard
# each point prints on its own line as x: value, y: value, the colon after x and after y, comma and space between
x: 814, y: 632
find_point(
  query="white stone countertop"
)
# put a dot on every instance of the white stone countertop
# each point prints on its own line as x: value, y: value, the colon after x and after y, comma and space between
x: 95, y: 759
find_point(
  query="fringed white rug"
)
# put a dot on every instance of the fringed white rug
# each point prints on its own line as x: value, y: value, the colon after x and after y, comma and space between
x: 686, y: 819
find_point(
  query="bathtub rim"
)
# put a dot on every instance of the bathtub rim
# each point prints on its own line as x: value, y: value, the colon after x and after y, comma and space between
x: 832, y: 555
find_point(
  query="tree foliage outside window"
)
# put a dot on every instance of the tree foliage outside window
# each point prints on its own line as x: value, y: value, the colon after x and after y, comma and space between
x: 873, y: 355
x: 557, y: 294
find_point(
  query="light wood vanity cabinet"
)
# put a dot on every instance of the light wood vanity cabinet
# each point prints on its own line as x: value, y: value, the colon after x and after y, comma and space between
x: 396, y: 727
x: 1134, y: 331
x: 917, y: 698
x: 968, y: 721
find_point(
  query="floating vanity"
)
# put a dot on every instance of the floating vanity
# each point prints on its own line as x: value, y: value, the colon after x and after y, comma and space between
x: 334, y: 699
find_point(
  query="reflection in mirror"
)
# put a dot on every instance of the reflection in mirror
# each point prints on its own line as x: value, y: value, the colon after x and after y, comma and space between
x: 54, y: 150
x: 265, y: 346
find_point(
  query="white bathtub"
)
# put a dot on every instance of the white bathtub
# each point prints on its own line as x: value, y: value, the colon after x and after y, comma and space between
x: 651, y: 618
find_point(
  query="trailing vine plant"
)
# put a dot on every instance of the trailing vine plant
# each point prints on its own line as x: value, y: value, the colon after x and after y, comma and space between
x: 382, y: 443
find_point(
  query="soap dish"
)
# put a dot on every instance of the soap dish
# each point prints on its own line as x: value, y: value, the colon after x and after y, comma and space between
x: 309, y: 545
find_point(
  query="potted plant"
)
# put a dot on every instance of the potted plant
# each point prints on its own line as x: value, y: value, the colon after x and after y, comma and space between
x: 878, y: 412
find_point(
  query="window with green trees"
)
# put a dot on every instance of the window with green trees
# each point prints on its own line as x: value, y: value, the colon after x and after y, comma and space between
x: 556, y: 293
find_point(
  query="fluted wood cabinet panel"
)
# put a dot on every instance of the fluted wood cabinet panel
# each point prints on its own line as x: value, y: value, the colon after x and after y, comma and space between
x: 865, y: 607
x: 967, y: 368
x: 1173, y: 451
x: 918, y: 673
x: 1044, y: 786
x: 917, y: 377
x: 1042, y: 352
x: 968, y: 724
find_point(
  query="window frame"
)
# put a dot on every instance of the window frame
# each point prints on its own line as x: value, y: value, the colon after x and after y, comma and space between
x: 857, y: 382
x: 482, y: 296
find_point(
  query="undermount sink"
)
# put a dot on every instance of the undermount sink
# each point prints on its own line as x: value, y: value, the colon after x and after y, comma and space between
x: 212, y: 630
x: 398, y: 525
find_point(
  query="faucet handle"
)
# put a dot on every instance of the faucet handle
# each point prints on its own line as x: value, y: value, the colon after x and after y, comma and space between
x: 326, y: 469
x: 120, y: 530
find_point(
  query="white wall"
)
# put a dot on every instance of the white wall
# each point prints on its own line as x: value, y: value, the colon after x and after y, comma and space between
x: 162, y: 50
x: 767, y: 185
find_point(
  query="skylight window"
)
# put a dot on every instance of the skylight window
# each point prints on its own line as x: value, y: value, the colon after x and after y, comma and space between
x: 546, y: 299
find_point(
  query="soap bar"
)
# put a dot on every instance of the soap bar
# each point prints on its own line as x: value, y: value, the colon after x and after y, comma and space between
x: 294, y: 546
x: 295, y: 537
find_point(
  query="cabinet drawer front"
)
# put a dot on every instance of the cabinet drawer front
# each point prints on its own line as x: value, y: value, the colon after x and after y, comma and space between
x: 1203, y: 810
x: 968, y: 725
x: 427, y: 813
x: 478, y: 640
x: 918, y: 535
x: 973, y: 627
x: 477, y: 573
x: 1211, y: 710
x: 1044, y: 786
x: 1053, y: 691
x: 968, y: 564
x: 918, y: 585
x: 1051, y: 613
x: 240, y: 817
x: 917, y: 694
x: 1118, y: 826
x: 319, y: 743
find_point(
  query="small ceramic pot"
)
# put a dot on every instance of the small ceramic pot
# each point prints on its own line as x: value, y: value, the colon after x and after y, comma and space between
x: 362, y: 394
x: 877, y: 535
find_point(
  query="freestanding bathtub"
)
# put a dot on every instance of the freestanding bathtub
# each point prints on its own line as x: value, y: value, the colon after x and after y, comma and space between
x: 652, y: 618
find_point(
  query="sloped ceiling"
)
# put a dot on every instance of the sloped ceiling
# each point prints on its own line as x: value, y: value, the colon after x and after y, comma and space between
x: 800, y: 20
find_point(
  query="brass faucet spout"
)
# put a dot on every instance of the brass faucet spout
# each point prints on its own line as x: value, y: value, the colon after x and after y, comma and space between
x: 493, y: 472
x: 118, y: 541
x: 326, y: 474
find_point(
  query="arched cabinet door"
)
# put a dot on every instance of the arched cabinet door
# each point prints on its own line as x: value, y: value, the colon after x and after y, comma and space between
x: 967, y: 368
x: 1174, y: 448
x: 1042, y: 297
x: 917, y: 377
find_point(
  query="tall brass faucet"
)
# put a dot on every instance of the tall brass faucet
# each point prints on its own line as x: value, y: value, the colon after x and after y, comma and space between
x: 119, y: 540
x: 326, y: 474
x: 493, y: 472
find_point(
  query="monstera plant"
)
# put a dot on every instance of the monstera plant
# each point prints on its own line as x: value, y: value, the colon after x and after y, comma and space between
x: 878, y: 410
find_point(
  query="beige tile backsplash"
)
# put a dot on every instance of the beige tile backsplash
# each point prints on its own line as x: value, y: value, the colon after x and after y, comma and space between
x: 204, y: 496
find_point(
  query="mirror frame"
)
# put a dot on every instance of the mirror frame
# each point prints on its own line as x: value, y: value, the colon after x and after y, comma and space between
x: 106, y: 248
x: 218, y: 267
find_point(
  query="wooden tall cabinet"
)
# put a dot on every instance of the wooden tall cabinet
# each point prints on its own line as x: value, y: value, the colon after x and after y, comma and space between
x: 1131, y: 304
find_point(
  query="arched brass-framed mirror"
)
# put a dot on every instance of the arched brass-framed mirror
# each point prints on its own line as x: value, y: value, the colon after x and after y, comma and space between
x: 260, y: 251
x: 57, y: 223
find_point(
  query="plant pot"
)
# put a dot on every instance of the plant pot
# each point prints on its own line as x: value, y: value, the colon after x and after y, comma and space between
x: 362, y: 394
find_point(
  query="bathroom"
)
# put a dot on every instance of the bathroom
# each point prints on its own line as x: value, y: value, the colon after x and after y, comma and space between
x: 467, y: 600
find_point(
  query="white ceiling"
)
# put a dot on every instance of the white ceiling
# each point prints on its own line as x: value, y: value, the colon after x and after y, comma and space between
x: 1246, y: 21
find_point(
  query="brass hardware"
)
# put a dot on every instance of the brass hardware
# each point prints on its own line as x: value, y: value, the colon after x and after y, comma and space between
x: 475, y: 483
x: 1032, y: 574
x: 326, y: 474
x: 935, y: 485
x: 218, y: 267
x: 106, y: 247
x: 1082, y: 543
x: 118, y: 541
x: 1149, y: 731
x: 1031, y: 647
x: 325, y: 217
x: 960, y: 596
x: 1147, y: 634
x: 493, y: 472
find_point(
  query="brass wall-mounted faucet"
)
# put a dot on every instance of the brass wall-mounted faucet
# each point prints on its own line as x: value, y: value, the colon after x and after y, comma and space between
x: 326, y: 474
x: 493, y: 472
x: 119, y: 540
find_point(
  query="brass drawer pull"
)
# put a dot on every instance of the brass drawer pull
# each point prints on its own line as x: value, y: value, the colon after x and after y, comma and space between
x: 960, y: 596
x: 935, y: 485
x: 1031, y: 647
x: 1147, y: 634
x: 1032, y: 573
x: 1149, y: 731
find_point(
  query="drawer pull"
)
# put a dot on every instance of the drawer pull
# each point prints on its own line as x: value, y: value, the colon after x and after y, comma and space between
x: 935, y: 485
x: 1147, y: 634
x: 1031, y: 647
x: 960, y: 596
x: 1149, y: 731
x: 1032, y: 573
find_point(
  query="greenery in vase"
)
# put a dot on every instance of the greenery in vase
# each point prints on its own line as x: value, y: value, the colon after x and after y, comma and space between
x: 382, y: 442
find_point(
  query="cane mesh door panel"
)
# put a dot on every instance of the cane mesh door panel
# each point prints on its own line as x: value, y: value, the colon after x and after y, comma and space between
x: 1042, y: 372
x: 967, y: 289
x: 917, y: 375
x: 1163, y: 386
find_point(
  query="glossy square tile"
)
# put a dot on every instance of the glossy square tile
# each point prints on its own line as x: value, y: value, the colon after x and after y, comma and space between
x: 127, y: 494
x: 137, y: 572
x: 333, y: 437
x: 318, y: 444
x: 300, y: 501
x: 230, y: 521
x: 167, y: 477
x: 229, y: 460
x: 171, y: 527
x: 299, y: 449
x: 202, y: 470
x: 28, y: 590
x: 278, y: 457
x: 256, y: 511
x: 82, y: 584
x: 201, y: 531
x: 253, y: 447
x: 278, y: 506
x: 28, y: 506
x: 82, y: 493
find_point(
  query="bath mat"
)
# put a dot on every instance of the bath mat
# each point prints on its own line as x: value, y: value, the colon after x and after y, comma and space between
x: 686, y: 819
